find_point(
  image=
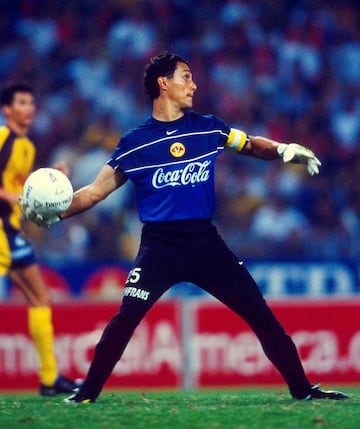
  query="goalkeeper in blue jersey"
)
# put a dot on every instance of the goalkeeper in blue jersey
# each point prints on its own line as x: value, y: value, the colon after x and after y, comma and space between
x: 170, y: 158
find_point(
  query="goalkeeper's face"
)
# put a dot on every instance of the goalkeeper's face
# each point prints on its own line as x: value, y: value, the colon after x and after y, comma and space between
x: 181, y: 87
x: 22, y: 109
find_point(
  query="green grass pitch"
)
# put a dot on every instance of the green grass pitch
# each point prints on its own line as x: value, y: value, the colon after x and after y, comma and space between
x: 250, y: 408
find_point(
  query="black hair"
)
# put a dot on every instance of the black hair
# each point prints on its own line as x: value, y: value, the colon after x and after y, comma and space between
x: 161, y: 65
x: 8, y: 92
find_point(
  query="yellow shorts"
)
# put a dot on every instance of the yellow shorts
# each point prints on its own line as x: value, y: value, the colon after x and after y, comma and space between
x: 15, y: 251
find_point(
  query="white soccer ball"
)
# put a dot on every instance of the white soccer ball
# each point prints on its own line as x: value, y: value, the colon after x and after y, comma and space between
x: 47, y: 192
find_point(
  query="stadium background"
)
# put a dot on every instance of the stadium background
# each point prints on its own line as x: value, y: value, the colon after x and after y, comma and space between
x: 288, y: 70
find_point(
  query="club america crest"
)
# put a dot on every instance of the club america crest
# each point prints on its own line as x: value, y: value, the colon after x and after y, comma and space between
x: 177, y: 150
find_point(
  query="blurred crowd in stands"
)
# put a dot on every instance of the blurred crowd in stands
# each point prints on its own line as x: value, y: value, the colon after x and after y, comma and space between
x: 284, y: 69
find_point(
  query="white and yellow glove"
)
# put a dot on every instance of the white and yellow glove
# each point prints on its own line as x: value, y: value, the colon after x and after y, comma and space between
x: 297, y: 154
x: 40, y: 220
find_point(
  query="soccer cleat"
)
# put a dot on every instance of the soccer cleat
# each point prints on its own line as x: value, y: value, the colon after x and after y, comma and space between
x: 61, y: 385
x: 79, y: 398
x: 316, y: 393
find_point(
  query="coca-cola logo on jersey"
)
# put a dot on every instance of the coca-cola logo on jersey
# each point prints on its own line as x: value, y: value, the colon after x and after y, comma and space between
x: 192, y: 173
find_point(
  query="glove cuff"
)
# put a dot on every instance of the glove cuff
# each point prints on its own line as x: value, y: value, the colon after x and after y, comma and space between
x: 281, y: 149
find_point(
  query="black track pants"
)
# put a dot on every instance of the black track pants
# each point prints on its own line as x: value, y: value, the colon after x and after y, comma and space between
x: 192, y: 251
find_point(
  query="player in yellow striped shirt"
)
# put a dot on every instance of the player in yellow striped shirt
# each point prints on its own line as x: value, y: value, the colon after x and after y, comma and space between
x: 17, y: 258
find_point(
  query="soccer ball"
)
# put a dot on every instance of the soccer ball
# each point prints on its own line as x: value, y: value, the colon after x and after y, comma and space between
x: 47, y: 192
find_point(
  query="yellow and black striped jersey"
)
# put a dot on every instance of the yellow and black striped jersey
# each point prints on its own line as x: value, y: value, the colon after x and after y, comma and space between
x: 17, y: 155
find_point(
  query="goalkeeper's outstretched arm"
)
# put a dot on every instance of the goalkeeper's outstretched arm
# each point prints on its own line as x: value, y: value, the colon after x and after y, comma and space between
x: 265, y: 148
x: 105, y: 183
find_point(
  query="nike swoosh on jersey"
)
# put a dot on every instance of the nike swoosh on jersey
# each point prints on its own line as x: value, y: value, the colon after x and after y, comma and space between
x: 168, y: 133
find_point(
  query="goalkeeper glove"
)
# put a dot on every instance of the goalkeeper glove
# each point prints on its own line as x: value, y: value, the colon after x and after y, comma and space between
x: 298, y: 154
x: 40, y: 220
